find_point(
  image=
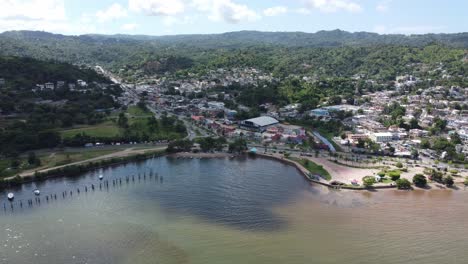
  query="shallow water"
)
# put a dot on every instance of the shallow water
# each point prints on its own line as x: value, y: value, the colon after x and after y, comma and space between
x: 228, y: 211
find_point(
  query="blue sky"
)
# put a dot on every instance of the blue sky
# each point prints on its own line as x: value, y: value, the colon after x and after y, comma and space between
x: 168, y: 17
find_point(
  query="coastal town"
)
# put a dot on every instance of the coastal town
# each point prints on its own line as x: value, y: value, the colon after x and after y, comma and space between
x: 233, y: 131
x: 436, y: 114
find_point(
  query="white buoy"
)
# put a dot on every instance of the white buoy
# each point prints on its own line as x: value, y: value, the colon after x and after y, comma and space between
x: 37, y: 192
x: 11, y: 196
x: 101, y: 176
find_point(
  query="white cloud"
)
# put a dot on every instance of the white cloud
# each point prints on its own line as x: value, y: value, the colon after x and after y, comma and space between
x: 226, y: 10
x: 157, y: 7
x: 129, y: 27
x: 46, y: 15
x: 275, y: 11
x: 383, y: 6
x: 171, y: 20
x: 330, y: 6
x: 114, y: 11
x: 303, y: 11
x: 32, y: 10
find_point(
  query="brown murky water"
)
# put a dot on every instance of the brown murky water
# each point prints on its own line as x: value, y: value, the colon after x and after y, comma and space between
x: 231, y: 211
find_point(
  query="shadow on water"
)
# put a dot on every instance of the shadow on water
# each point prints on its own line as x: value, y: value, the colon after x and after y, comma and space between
x: 240, y: 193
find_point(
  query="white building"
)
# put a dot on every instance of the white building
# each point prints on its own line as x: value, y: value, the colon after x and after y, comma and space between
x: 216, y: 105
x: 382, y: 137
x: 49, y: 86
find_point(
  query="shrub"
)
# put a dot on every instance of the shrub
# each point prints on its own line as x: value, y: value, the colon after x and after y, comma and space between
x: 466, y: 181
x: 449, y: 181
x: 368, y: 181
x: 419, y: 180
x: 399, y: 165
x: 381, y: 174
x: 403, y: 184
x: 437, y: 176
x: 394, y: 175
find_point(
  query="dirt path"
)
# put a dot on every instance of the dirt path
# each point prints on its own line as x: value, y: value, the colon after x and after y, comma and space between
x: 119, y: 154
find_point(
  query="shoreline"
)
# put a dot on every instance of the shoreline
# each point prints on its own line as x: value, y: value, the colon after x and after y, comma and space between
x: 202, y: 155
x: 101, y: 162
x: 305, y: 173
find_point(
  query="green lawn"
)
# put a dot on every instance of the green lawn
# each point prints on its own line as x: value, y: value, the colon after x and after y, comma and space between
x: 314, y: 168
x: 7, y: 171
x: 51, y: 160
x: 62, y: 158
x: 107, y: 129
x: 137, y: 111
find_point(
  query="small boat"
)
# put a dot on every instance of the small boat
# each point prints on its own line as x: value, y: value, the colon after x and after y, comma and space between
x: 11, y: 196
x: 101, y: 176
x: 37, y: 192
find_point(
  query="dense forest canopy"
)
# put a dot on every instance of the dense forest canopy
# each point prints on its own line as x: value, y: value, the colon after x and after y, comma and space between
x: 33, y: 116
x: 325, y: 53
x: 27, y: 72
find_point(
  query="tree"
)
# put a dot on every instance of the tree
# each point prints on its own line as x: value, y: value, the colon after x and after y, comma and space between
x: 15, y: 163
x: 238, y: 146
x: 449, y: 181
x: 122, y: 121
x: 399, y: 165
x: 419, y: 180
x: 368, y: 181
x: 425, y: 144
x: 455, y: 139
x: 414, y: 123
x: 334, y: 100
x: 436, y: 176
x: 414, y: 153
x: 394, y: 175
x: 466, y: 181
x: 403, y: 184
x: 33, y: 160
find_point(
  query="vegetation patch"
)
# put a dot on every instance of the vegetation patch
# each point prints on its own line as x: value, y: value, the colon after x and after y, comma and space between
x: 314, y: 168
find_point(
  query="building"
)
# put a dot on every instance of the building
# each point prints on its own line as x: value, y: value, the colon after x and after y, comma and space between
x: 382, y: 137
x: 49, y: 86
x: 60, y: 84
x: 216, y: 105
x: 2, y: 82
x: 258, y: 124
x: 356, y: 137
x: 319, y: 113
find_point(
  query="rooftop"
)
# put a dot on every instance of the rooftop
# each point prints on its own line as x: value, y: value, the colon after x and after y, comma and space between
x: 263, y: 121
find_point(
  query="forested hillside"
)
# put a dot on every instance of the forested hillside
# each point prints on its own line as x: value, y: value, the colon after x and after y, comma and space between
x: 30, y: 117
x: 325, y: 53
x: 26, y: 72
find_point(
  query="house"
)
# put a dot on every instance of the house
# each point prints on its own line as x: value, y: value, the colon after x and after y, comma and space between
x: 81, y: 83
x: 216, y: 105
x: 60, y: 84
x: 49, y: 86
x: 320, y: 112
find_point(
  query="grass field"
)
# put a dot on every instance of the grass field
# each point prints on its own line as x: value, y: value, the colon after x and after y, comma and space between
x: 7, y: 171
x: 107, y: 129
x: 62, y: 158
x: 138, y: 112
x: 49, y: 160
x: 314, y: 168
